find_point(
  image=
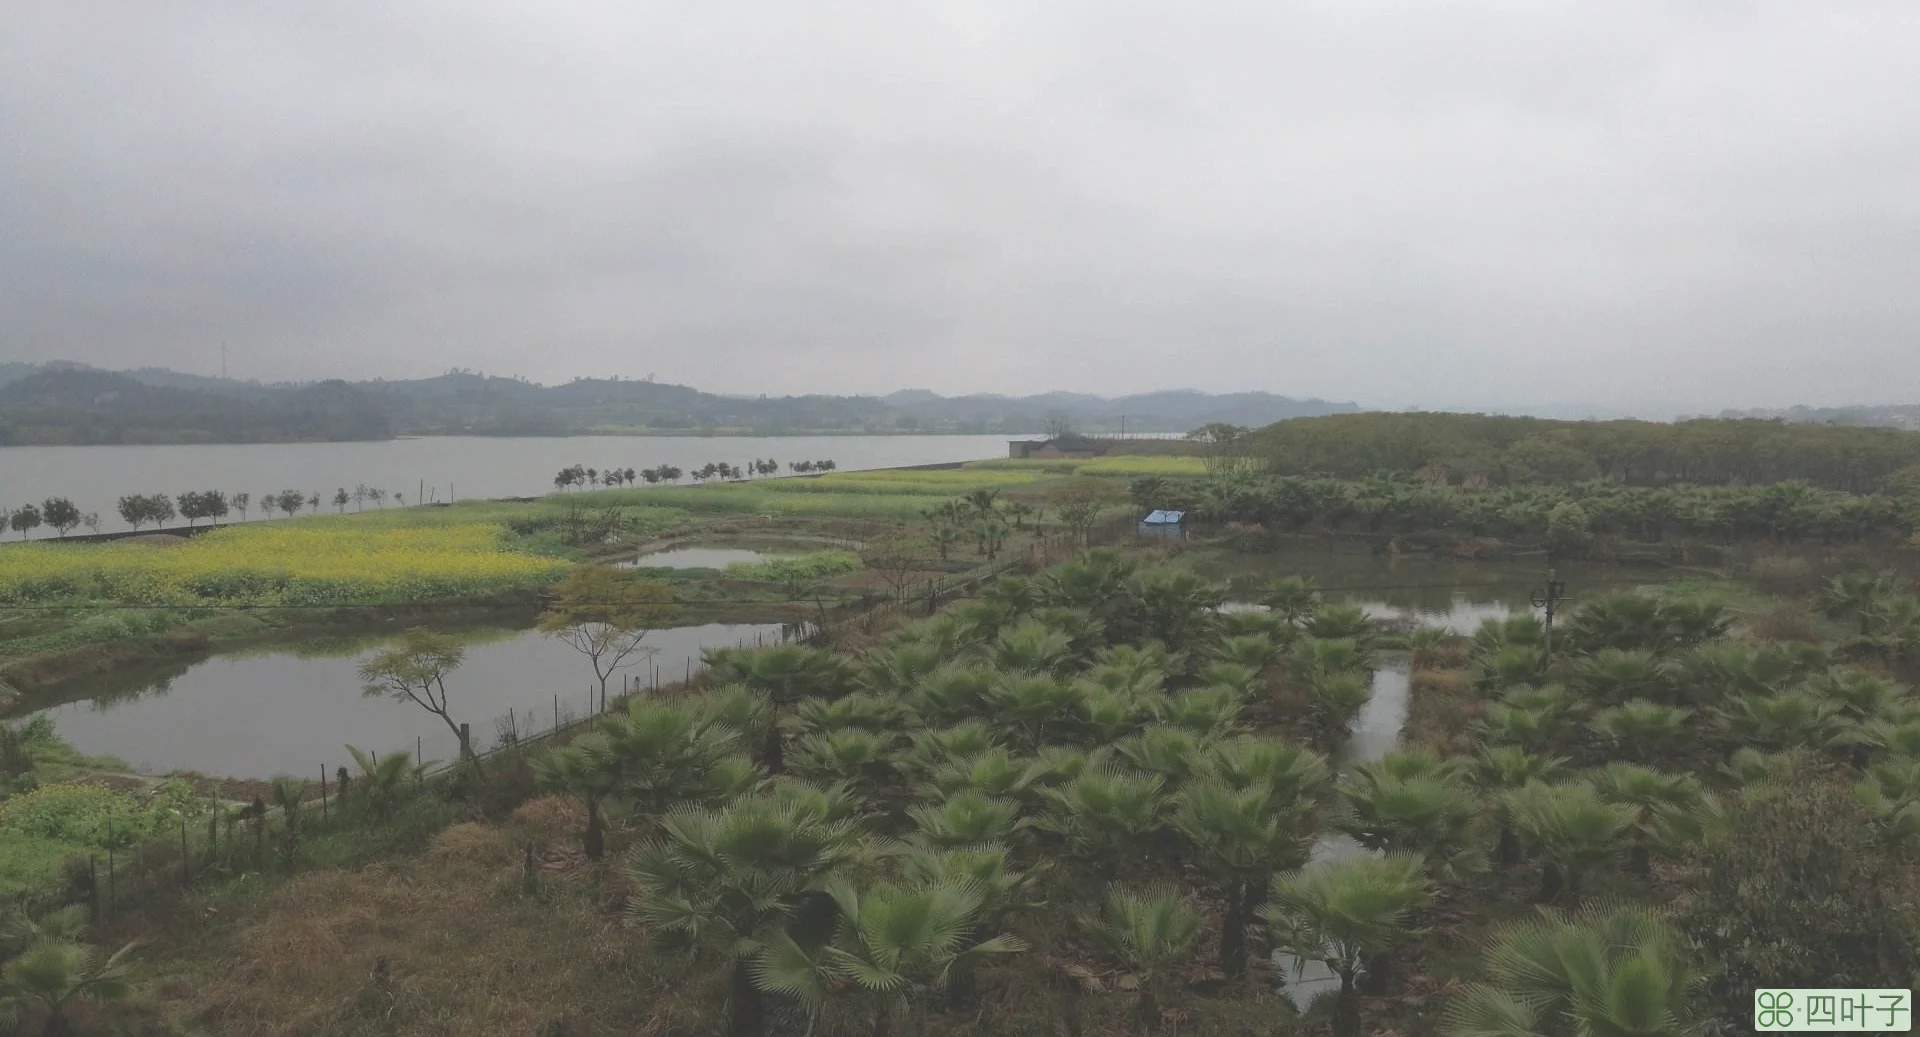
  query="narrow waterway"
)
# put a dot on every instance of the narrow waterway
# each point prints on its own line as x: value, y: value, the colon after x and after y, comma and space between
x: 1375, y: 732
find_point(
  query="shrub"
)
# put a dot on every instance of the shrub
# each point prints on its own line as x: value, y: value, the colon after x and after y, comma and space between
x: 816, y: 565
x: 1799, y: 892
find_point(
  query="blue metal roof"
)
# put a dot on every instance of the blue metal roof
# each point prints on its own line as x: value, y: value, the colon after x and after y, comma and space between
x: 1163, y: 518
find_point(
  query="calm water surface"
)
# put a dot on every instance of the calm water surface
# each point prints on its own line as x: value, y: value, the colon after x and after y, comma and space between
x: 433, y: 468
x: 696, y: 558
x: 291, y: 710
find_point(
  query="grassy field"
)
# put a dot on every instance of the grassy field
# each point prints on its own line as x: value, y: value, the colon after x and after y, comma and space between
x: 1121, y: 466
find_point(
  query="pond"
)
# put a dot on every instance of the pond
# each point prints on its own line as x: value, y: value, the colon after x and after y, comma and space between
x: 291, y: 709
x: 1440, y: 592
x: 695, y: 558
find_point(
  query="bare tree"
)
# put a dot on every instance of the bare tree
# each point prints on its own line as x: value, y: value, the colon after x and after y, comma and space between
x: 897, y: 559
x: 416, y: 671
x: 605, y: 614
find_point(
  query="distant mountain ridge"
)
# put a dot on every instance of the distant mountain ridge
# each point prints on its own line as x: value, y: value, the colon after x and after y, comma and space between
x: 62, y: 402
x: 1892, y: 415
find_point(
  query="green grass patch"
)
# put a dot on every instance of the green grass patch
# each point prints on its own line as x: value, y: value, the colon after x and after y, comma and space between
x: 1113, y: 466
x: 821, y: 565
x: 739, y: 499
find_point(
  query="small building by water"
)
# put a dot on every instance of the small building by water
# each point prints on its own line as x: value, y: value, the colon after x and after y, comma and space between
x: 1051, y: 449
x: 1162, y: 524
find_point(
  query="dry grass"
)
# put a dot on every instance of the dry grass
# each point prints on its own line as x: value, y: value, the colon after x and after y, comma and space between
x: 1783, y: 574
x: 448, y: 943
x: 1441, y: 708
x: 1787, y: 621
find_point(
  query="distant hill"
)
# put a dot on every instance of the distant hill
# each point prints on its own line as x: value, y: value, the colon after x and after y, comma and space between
x: 62, y: 402
x: 1905, y: 416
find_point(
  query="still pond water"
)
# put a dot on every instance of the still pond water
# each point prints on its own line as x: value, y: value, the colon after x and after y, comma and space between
x: 438, y: 467
x: 291, y: 710
x: 700, y: 557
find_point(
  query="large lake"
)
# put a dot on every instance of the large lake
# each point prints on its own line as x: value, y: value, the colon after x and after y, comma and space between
x: 443, y: 467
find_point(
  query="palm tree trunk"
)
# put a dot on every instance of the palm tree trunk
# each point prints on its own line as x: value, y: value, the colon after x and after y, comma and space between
x: 1551, y: 882
x: 595, y: 841
x: 1070, y: 1015
x: 770, y: 752
x: 1509, y: 852
x: 1148, y: 1008
x: 57, y: 1025
x: 883, y: 1019
x: 1346, y: 1011
x: 1640, y: 860
x: 748, y: 1013
x: 1233, y: 933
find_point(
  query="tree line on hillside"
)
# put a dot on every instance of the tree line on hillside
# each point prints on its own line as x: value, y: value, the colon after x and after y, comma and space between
x: 1481, y: 450
x: 579, y: 476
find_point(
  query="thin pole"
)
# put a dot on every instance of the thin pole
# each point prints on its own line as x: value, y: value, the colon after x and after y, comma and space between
x: 323, y: 792
x: 556, y: 712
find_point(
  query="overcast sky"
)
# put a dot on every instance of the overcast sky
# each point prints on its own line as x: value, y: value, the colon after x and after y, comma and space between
x: 1708, y: 203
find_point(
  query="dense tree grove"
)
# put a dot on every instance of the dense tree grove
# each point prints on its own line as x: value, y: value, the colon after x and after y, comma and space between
x: 1480, y: 449
x: 1790, y: 510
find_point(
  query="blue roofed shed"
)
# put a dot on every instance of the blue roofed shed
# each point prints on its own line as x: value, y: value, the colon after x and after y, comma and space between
x: 1162, y: 523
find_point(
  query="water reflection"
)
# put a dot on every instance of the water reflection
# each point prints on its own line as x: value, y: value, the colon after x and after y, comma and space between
x: 696, y: 558
x: 1376, y: 731
x: 1453, y: 593
x: 290, y: 709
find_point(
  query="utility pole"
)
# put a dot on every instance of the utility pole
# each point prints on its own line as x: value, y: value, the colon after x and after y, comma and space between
x: 1550, y: 598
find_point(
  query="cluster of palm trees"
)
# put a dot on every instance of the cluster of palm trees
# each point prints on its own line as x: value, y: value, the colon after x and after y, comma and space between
x: 980, y: 516
x: 868, y: 833
x: 991, y: 765
x: 1403, y: 504
x: 1616, y: 753
x: 1882, y: 608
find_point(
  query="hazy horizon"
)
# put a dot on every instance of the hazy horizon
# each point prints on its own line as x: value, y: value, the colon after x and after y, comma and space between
x: 1644, y: 206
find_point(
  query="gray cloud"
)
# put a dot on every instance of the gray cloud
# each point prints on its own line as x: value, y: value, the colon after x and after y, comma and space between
x: 1689, y: 203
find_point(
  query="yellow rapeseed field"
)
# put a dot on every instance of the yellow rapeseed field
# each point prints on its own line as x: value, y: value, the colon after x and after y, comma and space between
x: 273, y: 564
